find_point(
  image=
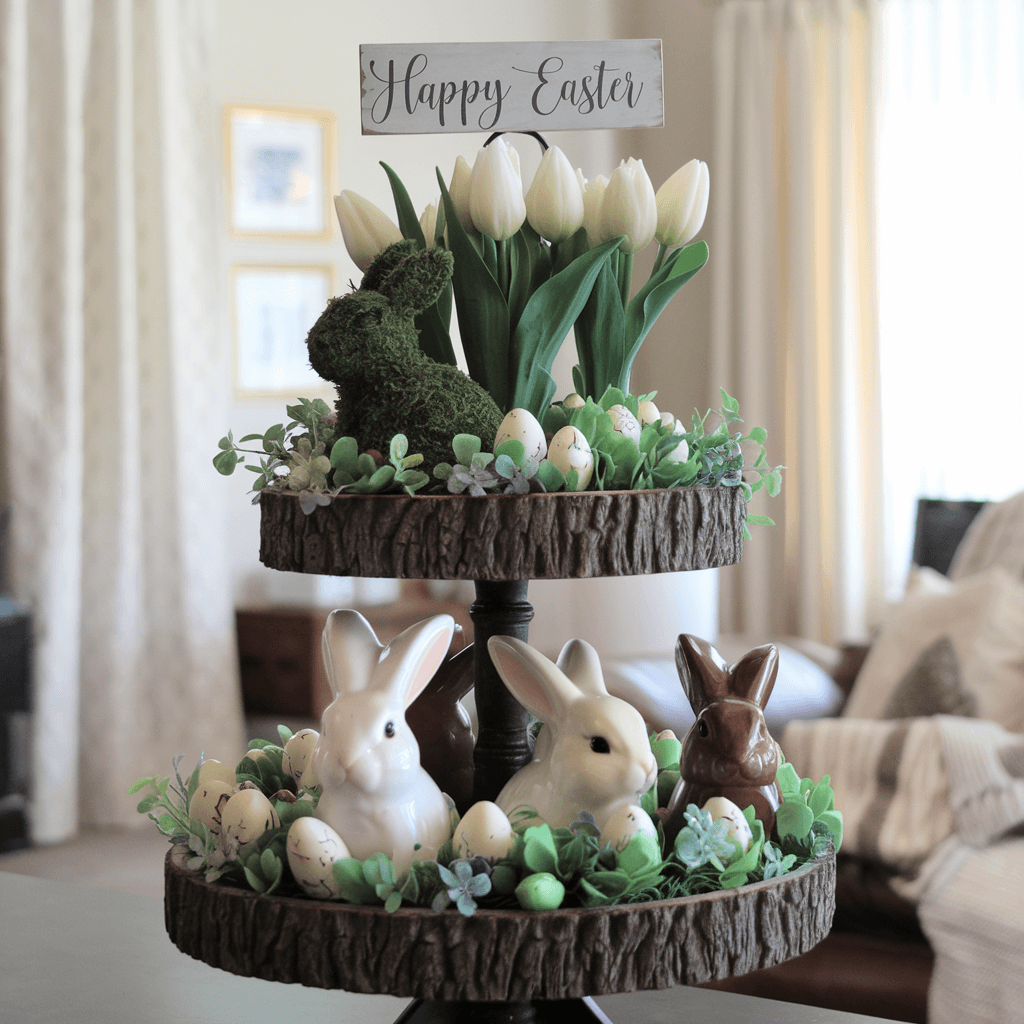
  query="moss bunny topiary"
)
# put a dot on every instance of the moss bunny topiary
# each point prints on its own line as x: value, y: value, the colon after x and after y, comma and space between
x: 366, y: 344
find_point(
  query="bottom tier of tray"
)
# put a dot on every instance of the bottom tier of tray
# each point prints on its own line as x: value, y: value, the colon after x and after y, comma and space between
x: 500, y: 955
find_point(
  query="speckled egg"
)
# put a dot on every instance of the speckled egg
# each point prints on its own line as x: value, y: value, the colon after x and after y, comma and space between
x: 722, y: 809
x: 624, y: 823
x: 207, y: 803
x: 521, y: 425
x: 313, y: 847
x: 674, y: 426
x: 246, y: 816
x: 210, y: 770
x: 573, y: 401
x: 568, y: 450
x: 484, y: 831
x: 625, y: 422
x: 680, y: 453
x: 297, y: 752
x: 648, y: 413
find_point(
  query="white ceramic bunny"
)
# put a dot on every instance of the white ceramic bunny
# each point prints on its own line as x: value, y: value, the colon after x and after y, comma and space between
x: 592, y: 754
x: 374, y: 793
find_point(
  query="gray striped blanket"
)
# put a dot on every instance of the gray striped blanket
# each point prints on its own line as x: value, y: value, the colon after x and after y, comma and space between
x: 940, y: 800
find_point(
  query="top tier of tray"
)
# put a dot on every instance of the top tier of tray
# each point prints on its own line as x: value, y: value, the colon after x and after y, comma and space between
x: 505, y: 537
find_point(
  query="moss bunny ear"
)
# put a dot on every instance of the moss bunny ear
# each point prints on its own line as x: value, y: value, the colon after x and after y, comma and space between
x: 753, y: 676
x: 535, y: 681
x: 702, y: 671
x: 409, y: 662
x: 350, y: 649
x: 415, y: 282
x: 580, y: 662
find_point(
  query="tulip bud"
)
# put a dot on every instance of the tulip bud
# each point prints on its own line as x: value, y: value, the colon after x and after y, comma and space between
x: 428, y: 224
x: 496, y: 193
x: 554, y: 204
x: 458, y: 189
x: 682, y: 204
x: 593, y: 196
x: 629, y: 207
x: 367, y: 230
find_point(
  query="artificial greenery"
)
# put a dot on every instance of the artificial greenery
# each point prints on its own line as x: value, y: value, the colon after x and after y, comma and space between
x: 545, y: 868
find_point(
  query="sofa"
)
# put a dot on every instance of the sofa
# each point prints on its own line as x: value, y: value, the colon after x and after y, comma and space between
x: 927, y: 761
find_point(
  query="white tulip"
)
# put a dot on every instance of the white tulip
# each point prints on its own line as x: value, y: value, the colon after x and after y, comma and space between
x: 554, y: 204
x: 593, y: 196
x: 496, y: 193
x: 367, y: 230
x: 629, y: 207
x: 458, y: 189
x: 428, y: 224
x: 682, y: 204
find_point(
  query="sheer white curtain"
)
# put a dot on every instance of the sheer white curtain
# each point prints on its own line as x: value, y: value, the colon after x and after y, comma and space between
x: 794, y: 318
x: 114, y: 382
x: 951, y: 262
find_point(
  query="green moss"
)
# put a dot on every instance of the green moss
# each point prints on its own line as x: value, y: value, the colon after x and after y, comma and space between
x: 366, y: 344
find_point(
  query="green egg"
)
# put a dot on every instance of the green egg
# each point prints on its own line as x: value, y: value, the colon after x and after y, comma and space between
x: 541, y: 891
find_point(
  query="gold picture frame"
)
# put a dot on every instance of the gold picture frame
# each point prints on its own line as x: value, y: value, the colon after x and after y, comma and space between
x: 273, y: 308
x: 280, y: 166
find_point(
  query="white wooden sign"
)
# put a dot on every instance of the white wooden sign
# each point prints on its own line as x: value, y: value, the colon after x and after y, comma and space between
x: 410, y: 88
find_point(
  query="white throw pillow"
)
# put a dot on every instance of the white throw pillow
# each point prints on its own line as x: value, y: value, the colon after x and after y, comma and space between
x: 983, y: 616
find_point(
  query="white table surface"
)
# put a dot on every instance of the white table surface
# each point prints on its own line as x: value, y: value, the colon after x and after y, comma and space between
x: 75, y: 955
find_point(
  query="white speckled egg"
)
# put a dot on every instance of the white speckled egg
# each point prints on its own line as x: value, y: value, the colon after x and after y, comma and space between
x: 211, y: 770
x: 680, y: 453
x: 484, y: 831
x: 569, y: 449
x: 522, y: 425
x: 313, y: 847
x: 648, y: 412
x: 722, y: 809
x: 624, y: 823
x: 246, y: 816
x: 625, y: 422
x: 297, y: 752
x: 207, y: 803
x: 573, y: 401
x: 674, y: 426
x: 666, y: 734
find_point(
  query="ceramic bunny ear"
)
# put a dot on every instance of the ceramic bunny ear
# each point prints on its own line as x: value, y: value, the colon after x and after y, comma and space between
x: 535, y: 681
x: 411, y: 659
x: 702, y: 671
x: 753, y: 676
x: 580, y: 662
x: 350, y: 649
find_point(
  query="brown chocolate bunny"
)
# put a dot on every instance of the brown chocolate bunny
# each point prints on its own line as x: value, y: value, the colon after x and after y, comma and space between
x: 728, y: 750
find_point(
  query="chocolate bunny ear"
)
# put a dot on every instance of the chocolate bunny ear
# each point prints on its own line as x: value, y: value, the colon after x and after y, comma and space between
x: 753, y: 676
x: 702, y: 671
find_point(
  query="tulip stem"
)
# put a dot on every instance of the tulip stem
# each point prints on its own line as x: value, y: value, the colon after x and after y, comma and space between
x: 502, y: 267
x: 659, y: 259
x: 625, y: 276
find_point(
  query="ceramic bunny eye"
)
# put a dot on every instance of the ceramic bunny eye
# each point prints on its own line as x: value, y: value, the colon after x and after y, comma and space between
x: 374, y: 792
x: 728, y: 752
x: 592, y: 754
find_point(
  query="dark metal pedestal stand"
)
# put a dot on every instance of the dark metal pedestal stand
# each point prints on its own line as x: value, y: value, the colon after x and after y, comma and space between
x: 555, y: 1011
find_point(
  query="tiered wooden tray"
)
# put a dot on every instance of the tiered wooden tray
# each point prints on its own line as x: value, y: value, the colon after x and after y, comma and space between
x: 503, y: 964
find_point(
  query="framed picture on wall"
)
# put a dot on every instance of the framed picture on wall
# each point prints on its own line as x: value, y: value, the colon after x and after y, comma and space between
x: 279, y: 169
x: 274, y: 308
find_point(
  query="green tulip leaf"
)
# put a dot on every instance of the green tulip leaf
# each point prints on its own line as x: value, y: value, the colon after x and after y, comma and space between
x: 647, y: 305
x: 408, y: 222
x: 552, y: 310
x: 482, y: 309
x: 600, y: 335
x: 435, y: 341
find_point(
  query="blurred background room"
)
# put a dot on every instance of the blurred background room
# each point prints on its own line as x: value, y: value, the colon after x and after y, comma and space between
x: 864, y: 222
